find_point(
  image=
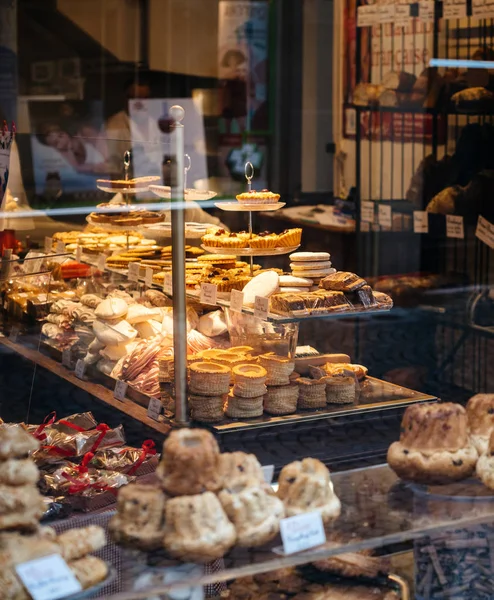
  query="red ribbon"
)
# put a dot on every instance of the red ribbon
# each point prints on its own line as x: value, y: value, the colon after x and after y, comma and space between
x: 79, y: 486
x: 48, y: 420
x: 103, y: 427
x: 83, y: 467
x: 71, y: 425
x: 57, y: 450
x: 148, y: 449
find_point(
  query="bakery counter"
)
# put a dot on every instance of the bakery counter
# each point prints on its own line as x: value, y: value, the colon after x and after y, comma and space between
x: 377, y: 510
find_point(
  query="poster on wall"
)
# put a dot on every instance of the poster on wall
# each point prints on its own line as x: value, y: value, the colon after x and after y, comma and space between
x: 8, y: 60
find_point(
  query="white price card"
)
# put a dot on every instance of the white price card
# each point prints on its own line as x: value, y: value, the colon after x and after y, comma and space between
x: 154, y: 409
x: 168, y: 284
x: 78, y: 253
x: 485, y: 231
x: 66, y: 358
x: 386, y: 13
x: 302, y: 532
x: 148, y: 277
x: 420, y: 221
x: 426, y: 11
x: 60, y: 248
x: 268, y: 472
x: 48, y: 578
x: 367, y: 211
x: 261, y: 307
x: 236, y: 301
x: 120, y: 389
x: 133, y: 274
x: 454, y: 9
x: 102, y: 262
x: 48, y: 244
x: 208, y: 293
x: 14, y: 333
x: 385, y: 219
x: 454, y: 227
x: 483, y: 9
x: 367, y: 15
x: 80, y: 369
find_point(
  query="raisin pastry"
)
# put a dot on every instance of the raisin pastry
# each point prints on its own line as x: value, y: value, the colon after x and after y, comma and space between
x: 20, y: 507
x: 480, y: 413
x: 18, y: 472
x: 238, y: 465
x: 306, y: 486
x: 16, y: 442
x: 434, y: 445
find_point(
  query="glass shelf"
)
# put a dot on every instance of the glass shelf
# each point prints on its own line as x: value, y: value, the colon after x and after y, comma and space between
x: 250, y: 251
x: 378, y: 509
x: 165, y: 191
x: 239, y: 207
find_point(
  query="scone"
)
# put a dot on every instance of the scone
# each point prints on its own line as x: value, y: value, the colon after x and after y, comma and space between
x: 305, y: 486
x: 434, y: 446
x: 89, y: 571
x: 20, y: 507
x: 190, y: 463
x: 485, y: 465
x: 197, y: 528
x: 16, y: 442
x: 76, y: 543
x: 238, y: 465
x: 254, y: 509
x: 18, y: 472
x: 480, y: 413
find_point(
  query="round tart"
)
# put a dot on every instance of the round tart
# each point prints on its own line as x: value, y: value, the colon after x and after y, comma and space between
x: 279, y: 368
x: 262, y: 197
x: 264, y: 240
x: 281, y: 400
x: 340, y: 390
x: 209, y: 379
x: 290, y: 237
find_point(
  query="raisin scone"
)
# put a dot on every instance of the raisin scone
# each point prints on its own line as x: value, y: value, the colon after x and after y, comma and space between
x: 480, y: 413
x: 238, y: 465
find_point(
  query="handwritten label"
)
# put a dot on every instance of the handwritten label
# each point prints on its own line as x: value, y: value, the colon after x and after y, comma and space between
x: 386, y: 13
x: 78, y: 253
x: 420, y: 221
x: 133, y: 274
x: 120, y: 389
x: 268, y: 472
x: 102, y: 262
x: 80, y: 369
x: 367, y: 212
x: 14, y: 333
x: 302, y: 532
x: 483, y: 9
x: 154, y: 409
x: 148, y: 277
x: 208, y: 293
x: 367, y: 15
x: 66, y: 358
x: 426, y: 11
x: 454, y: 9
x: 236, y: 301
x: 168, y: 284
x: 60, y: 247
x: 48, y: 244
x: 485, y: 231
x: 261, y: 307
x: 384, y: 216
x: 402, y: 14
x: 48, y: 578
x: 454, y: 227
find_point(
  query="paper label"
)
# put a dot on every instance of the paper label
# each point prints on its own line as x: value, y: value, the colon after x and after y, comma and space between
x: 66, y: 358
x: 384, y: 215
x: 420, y: 221
x: 60, y: 248
x: 133, y: 274
x: 154, y: 409
x: 148, y: 277
x: 302, y: 532
x: 454, y: 227
x: 120, y: 389
x: 367, y: 212
x: 268, y: 472
x: 485, y: 231
x: 483, y: 9
x: 80, y: 369
x: 454, y: 9
x: 168, y: 284
x: 402, y: 14
x: 367, y: 15
x: 208, y: 293
x: 261, y: 307
x: 426, y: 11
x: 14, y: 333
x: 102, y: 262
x: 48, y: 578
x: 78, y: 253
x: 236, y: 301
x: 386, y: 13
x: 48, y: 244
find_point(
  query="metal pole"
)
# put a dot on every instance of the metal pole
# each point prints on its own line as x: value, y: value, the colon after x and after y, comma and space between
x: 178, y: 269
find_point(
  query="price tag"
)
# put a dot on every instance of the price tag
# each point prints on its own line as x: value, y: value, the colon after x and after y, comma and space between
x: 66, y: 358
x: 120, y: 389
x: 168, y: 284
x: 454, y: 9
x: 483, y: 9
x: 134, y: 271
x: 302, y: 532
x: 261, y: 308
x: 367, y: 212
x: 384, y: 215
x: 102, y: 262
x: 78, y: 253
x: 48, y: 244
x: 154, y: 409
x: 454, y: 227
x: 268, y: 472
x: 236, y: 301
x: 14, y: 333
x: 60, y: 248
x: 208, y: 293
x: 80, y: 369
x: 426, y: 11
x: 48, y: 578
x: 485, y: 231
x: 367, y: 16
x: 386, y: 13
x: 148, y: 277
x: 420, y: 221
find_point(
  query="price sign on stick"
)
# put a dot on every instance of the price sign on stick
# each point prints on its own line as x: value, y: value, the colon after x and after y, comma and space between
x: 302, y: 532
x: 208, y: 293
x: 120, y: 389
x: 236, y: 301
x: 48, y: 578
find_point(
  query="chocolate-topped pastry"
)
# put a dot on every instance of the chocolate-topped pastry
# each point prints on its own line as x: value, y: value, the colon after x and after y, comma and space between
x: 434, y: 444
x: 342, y: 281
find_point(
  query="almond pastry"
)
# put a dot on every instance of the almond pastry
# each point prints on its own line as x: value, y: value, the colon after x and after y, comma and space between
x: 206, y: 409
x: 281, y: 400
x: 254, y: 509
x: 197, y: 528
x: 279, y: 368
x: 209, y: 379
x: 237, y: 465
x: 340, y: 390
